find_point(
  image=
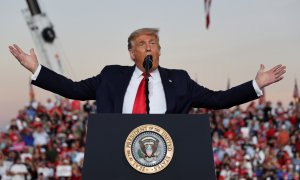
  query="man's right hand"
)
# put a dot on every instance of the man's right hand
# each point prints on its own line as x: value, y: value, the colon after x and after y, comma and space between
x: 29, y: 61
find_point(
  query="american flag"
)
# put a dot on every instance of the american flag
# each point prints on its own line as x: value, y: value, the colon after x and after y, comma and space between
x: 296, y: 91
x: 207, y: 4
x: 31, y: 92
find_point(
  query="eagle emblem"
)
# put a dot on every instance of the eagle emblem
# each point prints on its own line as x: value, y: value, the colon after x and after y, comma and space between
x: 148, y: 148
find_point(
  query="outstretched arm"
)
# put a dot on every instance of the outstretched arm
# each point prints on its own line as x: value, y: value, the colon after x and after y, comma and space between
x: 265, y: 78
x: 29, y: 61
x: 56, y: 83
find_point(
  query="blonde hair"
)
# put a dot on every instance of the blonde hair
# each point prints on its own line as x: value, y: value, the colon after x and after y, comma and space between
x: 142, y: 31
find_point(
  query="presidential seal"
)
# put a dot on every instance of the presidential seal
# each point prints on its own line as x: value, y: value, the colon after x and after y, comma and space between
x: 149, y: 149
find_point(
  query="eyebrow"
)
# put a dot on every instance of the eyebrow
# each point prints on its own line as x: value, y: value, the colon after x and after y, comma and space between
x: 142, y: 41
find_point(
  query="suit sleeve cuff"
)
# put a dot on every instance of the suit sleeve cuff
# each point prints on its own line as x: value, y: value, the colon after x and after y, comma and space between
x: 257, y: 89
x: 36, y: 73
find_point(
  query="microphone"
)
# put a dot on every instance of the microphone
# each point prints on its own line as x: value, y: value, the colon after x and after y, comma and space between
x: 147, y: 64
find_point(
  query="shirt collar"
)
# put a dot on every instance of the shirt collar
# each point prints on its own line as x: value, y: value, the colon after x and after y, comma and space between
x: 138, y: 73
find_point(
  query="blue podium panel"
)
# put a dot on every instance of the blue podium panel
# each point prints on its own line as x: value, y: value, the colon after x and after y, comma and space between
x: 106, y: 135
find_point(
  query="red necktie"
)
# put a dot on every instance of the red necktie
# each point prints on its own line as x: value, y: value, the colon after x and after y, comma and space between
x: 139, y: 106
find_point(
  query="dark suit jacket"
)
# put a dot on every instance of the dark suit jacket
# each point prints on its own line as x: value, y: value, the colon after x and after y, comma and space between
x: 109, y: 87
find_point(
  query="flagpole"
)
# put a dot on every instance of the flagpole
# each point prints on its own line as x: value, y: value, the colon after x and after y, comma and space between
x: 296, y: 92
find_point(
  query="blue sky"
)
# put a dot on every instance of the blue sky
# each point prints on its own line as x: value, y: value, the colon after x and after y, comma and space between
x: 243, y: 34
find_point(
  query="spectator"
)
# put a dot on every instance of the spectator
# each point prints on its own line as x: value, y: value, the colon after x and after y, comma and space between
x: 18, y: 170
x: 40, y: 136
x: 49, y: 104
x: 27, y: 136
x: 87, y: 107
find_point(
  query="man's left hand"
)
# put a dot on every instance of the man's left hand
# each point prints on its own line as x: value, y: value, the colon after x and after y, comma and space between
x: 265, y: 78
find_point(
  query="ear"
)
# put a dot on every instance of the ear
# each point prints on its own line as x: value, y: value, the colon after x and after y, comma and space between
x: 132, y: 55
x: 159, y: 50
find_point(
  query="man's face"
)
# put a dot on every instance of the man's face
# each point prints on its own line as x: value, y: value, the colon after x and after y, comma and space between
x: 142, y: 46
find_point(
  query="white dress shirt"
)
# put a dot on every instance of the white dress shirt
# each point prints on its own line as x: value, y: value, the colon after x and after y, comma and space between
x: 157, y: 98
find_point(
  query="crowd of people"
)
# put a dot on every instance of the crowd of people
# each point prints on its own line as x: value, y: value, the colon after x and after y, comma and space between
x: 259, y: 142
x: 47, y: 141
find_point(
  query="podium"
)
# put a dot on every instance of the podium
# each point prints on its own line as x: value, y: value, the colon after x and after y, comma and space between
x: 107, y: 140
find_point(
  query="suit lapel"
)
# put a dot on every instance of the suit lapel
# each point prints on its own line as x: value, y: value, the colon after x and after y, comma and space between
x: 169, y: 89
x: 125, y: 77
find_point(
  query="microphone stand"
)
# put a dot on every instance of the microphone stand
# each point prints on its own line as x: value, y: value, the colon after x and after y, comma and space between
x: 147, y: 65
x: 147, y: 90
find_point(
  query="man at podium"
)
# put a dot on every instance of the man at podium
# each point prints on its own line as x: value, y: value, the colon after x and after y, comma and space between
x: 120, y: 89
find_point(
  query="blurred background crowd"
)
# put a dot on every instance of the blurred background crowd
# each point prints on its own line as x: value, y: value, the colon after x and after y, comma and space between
x: 258, y: 141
